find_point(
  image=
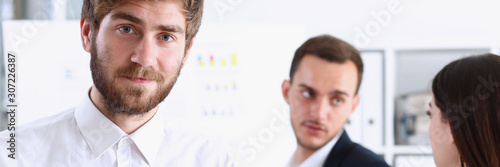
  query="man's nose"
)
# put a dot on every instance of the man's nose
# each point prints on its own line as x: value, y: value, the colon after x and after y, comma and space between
x: 145, y: 53
x: 320, y: 109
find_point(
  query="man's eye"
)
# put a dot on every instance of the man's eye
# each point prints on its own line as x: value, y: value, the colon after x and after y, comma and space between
x: 337, y: 101
x: 166, y: 37
x: 306, y: 94
x: 126, y: 29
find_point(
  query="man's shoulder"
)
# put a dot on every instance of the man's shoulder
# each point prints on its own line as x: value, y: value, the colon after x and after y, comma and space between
x: 60, y: 119
x: 56, y: 120
x: 361, y: 156
x: 37, y: 138
x: 354, y: 154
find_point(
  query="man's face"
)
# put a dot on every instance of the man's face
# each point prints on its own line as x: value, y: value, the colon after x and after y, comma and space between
x: 321, y: 98
x: 137, y: 55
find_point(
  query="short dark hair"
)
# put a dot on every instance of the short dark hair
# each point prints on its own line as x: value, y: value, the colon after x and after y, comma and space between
x: 330, y: 49
x: 467, y: 91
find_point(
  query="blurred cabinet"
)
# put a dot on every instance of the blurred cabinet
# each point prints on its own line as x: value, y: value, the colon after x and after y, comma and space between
x: 366, y: 124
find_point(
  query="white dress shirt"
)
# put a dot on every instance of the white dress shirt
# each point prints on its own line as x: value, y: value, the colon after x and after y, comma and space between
x: 318, y: 158
x: 83, y: 136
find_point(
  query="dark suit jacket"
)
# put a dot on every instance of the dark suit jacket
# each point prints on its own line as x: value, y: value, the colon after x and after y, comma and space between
x: 345, y: 153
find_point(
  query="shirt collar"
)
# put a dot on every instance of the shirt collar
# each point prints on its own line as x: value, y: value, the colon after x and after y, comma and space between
x: 100, y: 133
x: 149, y: 137
x: 318, y: 158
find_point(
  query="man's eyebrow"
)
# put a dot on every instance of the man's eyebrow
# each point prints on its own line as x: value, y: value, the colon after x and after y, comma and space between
x: 310, y: 89
x: 171, y: 28
x: 336, y: 92
x: 340, y: 92
x: 126, y: 16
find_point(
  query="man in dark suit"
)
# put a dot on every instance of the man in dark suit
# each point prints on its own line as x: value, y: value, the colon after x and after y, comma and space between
x: 322, y: 92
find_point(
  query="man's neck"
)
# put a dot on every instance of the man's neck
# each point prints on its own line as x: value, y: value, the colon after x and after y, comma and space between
x: 127, y: 122
x: 303, y: 153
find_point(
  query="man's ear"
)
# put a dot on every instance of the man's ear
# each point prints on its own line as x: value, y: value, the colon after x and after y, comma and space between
x: 355, y: 102
x: 187, y: 53
x: 285, y: 87
x: 86, y: 35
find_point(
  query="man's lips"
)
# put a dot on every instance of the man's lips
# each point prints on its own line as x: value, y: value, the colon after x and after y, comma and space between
x: 313, y: 128
x: 139, y: 80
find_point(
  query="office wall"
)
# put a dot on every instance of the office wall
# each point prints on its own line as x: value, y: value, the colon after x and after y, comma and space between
x: 410, y: 23
x: 263, y: 35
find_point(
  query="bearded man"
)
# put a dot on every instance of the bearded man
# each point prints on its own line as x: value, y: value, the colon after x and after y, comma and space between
x: 137, y: 50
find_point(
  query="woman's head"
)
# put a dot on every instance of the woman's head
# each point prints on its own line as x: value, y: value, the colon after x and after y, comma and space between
x: 465, y: 121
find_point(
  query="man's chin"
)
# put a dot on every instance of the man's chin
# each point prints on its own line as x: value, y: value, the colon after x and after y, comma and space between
x: 136, y: 107
x: 312, y: 143
x: 132, y: 101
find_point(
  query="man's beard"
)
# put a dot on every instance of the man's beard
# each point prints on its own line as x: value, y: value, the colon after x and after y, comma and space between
x: 134, y: 100
x: 310, y: 146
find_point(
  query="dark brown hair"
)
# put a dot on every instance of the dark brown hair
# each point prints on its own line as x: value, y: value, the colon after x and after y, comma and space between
x: 330, y: 49
x: 95, y: 10
x: 467, y: 91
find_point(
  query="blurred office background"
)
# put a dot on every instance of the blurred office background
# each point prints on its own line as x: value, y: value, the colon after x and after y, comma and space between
x: 230, y: 87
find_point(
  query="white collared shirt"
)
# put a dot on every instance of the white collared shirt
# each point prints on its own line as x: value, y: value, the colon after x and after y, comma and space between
x: 83, y: 136
x: 318, y: 158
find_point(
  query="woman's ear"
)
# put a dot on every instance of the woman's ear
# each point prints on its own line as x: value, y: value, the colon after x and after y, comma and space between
x: 450, y: 140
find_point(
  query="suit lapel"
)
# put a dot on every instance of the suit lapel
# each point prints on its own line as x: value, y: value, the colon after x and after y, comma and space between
x: 338, y: 150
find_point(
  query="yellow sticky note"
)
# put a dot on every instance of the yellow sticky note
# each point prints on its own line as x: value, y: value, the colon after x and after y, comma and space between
x: 235, y: 61
x: 224, y: 62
